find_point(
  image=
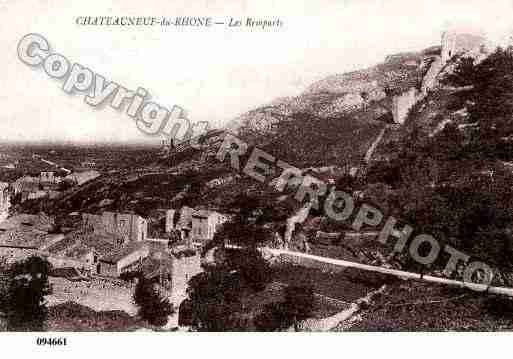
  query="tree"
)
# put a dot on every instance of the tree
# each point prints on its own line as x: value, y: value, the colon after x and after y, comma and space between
x: 272, y: 318
x: 215, y: 295
x: 248, y: 231
x: 152, y: 307
x: 253, y: 269
x: 297, y: 306
x: 464, y: 74
x: 214, y: 298
x: 23, y: 294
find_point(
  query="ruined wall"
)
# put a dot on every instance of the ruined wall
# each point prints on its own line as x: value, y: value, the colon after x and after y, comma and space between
x: 430, y: 81
x: 453, y: 43
x: 183, y: 269
x: 456, y: 43
x: 170, y: 216
x: 402, y: 103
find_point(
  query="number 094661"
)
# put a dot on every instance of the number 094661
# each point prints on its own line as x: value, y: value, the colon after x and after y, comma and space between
x: 51, y: 341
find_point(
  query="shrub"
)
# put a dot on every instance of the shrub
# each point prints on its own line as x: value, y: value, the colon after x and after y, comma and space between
x: 152, y: 307
x: 23, y: 295
x: 298, y: 305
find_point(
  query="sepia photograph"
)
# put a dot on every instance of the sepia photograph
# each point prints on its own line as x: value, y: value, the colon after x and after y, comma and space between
x: 169, y: 168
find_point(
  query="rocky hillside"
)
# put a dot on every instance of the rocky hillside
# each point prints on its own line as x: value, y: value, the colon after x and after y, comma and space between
x: 335, y: 120
x: 430, y: 170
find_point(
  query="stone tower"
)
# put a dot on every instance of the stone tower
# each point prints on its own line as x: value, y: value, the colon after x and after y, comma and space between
x: 454, y: 43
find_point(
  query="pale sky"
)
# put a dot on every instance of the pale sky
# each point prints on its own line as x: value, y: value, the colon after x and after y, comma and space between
x: 214, y: 73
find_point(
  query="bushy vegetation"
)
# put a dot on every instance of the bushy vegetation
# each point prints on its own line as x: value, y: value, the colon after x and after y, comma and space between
x: 298, y: 305
x: 305, y: 140
x: 213, y: 301
x: 153, y: 308
x: 75, y: 317
x: 22, y: 294
x: 215, y: 295
x: 455, y: 185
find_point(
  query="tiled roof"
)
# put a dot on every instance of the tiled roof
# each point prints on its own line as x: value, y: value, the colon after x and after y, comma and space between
x: 124, y: 251
x: 78, y: 251
x: 63, y: 245
x: 39, y: 222
x: 25, y: 238
x: 103, y: 245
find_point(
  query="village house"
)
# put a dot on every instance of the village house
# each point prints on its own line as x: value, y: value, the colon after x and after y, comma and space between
x: 78, y: 256
x: 125, y: 259
x: 80, y: 250
x: 34, y: 187
x: 197, y: 226
x: 25, y: 235
x: 123, y: 227
x: 205, y: 224
x: 170, y: 268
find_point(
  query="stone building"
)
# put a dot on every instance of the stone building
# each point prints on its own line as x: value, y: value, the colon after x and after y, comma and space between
x: 126, y: 259
x: 194, y: 225
x: 122, y: 226
x: 34, y: 187
x: 205, y: 224
x: 185, y: 264
x: 454, y: 43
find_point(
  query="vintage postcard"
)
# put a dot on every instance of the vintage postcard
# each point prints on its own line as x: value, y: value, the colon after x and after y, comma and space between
x: 236, y: 166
